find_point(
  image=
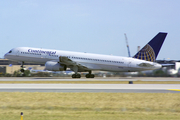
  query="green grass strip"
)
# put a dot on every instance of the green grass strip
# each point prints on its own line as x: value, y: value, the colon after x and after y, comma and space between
x: 89, y: 106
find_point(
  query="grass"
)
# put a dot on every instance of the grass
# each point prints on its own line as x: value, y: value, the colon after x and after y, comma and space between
x: 89, y: 82
x: 89, y: 106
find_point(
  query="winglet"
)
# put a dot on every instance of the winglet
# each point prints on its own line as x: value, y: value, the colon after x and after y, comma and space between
x: 150, y: 51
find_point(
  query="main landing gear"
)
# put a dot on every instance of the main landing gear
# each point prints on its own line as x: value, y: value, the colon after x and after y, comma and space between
x: 22, y: 67
x: 90, y: 75
x: 76, y: 76
x: 79, y: 76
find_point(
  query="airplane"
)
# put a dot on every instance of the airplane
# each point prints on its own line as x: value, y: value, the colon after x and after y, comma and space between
x: 58, y: 60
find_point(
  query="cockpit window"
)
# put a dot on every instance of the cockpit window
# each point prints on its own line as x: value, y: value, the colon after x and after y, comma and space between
x: 10, y: 51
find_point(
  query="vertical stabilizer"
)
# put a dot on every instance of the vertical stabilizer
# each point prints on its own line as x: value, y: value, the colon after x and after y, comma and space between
x: 150, y: 51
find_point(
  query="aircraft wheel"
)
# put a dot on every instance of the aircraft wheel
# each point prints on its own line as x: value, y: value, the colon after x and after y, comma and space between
x: 92, y: 76
x: 78, y: 76
x: 74, y: 76
x: 22, y: 70
x: 87, y: 75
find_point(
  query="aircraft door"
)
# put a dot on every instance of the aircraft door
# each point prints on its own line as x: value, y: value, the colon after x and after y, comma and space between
x: 17, y: 54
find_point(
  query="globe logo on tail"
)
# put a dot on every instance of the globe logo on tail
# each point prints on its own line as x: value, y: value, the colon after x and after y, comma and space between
x: 146, y: 53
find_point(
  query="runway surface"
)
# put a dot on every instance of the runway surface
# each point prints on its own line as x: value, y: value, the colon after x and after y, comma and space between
x: 89, y: 79
x: 112, y: 88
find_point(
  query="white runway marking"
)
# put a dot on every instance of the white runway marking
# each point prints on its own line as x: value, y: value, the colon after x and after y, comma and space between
x: 112, y: 88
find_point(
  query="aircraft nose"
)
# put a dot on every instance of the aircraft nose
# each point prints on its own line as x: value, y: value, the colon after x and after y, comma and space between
x: 6, y: 56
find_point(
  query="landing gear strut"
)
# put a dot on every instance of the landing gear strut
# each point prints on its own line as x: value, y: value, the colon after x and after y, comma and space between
x: 22, y: 67
x: 90, y: 75
x: 76, y: 75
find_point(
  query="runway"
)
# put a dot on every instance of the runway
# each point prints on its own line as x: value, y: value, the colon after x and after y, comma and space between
x: 89, y: 79
x: 111, y: 88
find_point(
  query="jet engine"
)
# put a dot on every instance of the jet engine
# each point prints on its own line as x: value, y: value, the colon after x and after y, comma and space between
x: 54, y: 66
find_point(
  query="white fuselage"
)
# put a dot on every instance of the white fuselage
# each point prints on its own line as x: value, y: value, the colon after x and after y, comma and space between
x: 91, y: 61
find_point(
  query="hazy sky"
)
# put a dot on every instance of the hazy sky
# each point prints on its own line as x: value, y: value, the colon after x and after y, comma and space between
x: 93, y: 26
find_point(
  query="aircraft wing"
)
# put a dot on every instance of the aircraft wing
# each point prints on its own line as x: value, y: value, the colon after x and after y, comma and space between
x: 67, y: 61
x: 166, y: 65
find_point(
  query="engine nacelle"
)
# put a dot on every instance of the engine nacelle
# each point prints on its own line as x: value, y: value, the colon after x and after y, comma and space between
x: 54, y: 66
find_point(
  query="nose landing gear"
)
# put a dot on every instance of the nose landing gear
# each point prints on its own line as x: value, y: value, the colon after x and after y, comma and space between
x: 22, y: 67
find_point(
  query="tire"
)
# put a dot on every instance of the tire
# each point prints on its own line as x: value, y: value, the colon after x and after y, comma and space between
x: 74, y: 76
x: 78, y: 76
x: 22, y: 70
x: 92, y: 76
x: 87, y: 75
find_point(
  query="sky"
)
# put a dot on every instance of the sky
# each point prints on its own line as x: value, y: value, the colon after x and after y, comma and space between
x: 92, y: 26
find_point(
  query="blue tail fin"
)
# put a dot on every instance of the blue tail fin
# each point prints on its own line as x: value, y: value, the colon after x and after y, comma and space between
x: 150, y: 51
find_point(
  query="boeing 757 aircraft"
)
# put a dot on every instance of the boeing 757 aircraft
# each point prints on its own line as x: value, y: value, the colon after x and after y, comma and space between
x: 58, y: 60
